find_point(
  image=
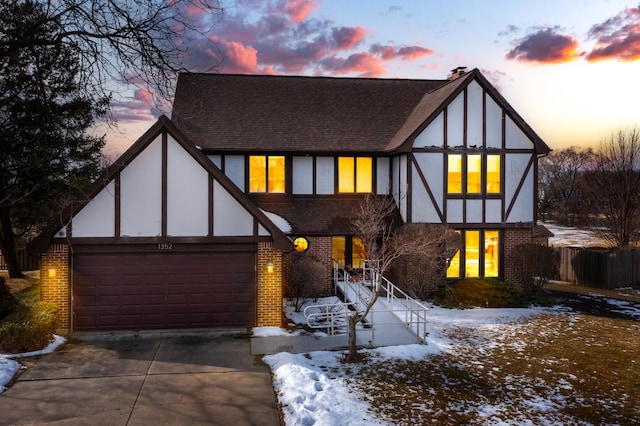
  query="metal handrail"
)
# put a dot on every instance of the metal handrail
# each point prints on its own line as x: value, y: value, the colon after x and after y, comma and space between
x: 415, y: 313
x: 407, y: 309
x: 328, y: 315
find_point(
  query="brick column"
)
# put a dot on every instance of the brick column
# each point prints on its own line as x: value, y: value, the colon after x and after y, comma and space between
x: 321, y: 248
x: 54, y: 282
x: 513, y: 238
x: 269, y: 286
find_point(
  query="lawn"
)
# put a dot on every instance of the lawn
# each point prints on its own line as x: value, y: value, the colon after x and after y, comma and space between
x: 548, y: 367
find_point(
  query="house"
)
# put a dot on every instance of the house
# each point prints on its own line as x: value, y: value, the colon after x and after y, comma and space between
x: 189, y: 228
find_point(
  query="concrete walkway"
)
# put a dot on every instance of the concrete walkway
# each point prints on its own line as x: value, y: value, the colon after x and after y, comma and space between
x: 145, y: 381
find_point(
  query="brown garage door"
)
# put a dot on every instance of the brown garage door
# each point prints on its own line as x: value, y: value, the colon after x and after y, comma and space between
x: 140, y: 291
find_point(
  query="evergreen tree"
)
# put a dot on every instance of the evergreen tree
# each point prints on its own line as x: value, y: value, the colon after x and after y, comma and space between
x: 46, y: 155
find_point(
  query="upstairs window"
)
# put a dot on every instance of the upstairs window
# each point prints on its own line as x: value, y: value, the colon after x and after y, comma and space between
x: 355, y: 174
x: 476, y: 173
x: 266, y: 173
x: 454, y: 178
x: 493, y: 174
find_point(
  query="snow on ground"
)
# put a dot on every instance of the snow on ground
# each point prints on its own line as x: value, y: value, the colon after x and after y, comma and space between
x: 310, y: 397
x: 566, y: 236
x: 9, y: 367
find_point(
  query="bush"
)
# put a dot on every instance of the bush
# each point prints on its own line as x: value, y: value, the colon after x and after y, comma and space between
x: 304, y: 277
x: 537, y: 264
x: 29, y: 328
x: 418, y: 276
x: 486, y: 293
x: 7, y: 300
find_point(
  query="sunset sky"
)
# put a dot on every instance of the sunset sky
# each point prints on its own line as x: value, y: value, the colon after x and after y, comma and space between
x: 571, y: 68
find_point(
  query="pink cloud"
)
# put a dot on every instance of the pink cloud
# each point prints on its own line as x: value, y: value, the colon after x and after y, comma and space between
x: 362, y: 64
x: 545, y: 46
x: 239, y: 58
x: 617, y: 37
x: 299, y: 10
x: 406, y: 53
x: 140, y: 107
x: 284, y: 37
x: 144, y: 95
x: 348, y: 37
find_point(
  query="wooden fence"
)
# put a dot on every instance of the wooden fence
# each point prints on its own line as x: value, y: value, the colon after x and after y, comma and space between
x: 26, y: 261
x: 600, y: 267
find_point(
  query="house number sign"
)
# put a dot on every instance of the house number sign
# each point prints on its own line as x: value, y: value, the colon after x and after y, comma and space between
x: 165, y: 246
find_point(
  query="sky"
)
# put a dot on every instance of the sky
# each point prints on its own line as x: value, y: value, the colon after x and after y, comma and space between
x: 569, y: 67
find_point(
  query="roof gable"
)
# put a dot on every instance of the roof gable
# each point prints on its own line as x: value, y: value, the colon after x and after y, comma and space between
x: 131, y: 168
x: 435, y: 102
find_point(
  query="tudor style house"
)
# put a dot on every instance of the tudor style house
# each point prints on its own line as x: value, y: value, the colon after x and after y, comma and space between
x: 189, y: 228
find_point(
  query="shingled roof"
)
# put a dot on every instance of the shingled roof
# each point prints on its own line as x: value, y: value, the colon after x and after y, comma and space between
x: 315, y: 115
x: 292, y: 114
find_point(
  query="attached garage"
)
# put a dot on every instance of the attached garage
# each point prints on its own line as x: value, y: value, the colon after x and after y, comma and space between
x: 143, y: 291
x: 163, y: 240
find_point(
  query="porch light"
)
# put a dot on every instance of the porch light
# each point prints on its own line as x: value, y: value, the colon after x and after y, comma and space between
x: 301, y: 244
x: 53, y: 272
x: 270, y: 267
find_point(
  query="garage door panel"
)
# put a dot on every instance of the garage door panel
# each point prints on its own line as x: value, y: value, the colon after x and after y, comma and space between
x: 154, y: 291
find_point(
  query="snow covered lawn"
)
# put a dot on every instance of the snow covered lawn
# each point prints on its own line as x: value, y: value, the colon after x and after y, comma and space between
x: 481, y: 366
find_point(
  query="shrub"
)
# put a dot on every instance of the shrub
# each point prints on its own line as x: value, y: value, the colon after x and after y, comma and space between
x: 29, y: 327
x: 304, y: 277
x: 419, y: 276
x: 7, y: 300
x: 537, y: 264
x: 486, y: 293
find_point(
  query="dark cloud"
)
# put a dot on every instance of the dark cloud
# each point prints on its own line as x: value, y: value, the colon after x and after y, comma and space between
x: 139, y: 108
x: 545, y: 46
x: 617, y: 37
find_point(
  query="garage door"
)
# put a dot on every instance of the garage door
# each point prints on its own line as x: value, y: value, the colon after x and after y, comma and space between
x: 163, y: 290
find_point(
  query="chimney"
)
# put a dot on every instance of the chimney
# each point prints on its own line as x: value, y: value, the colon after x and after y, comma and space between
x: 457, y: 72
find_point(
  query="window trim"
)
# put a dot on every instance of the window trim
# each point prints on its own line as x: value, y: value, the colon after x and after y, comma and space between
x: 461, y: 255
x: 266, y: 174
x: 464, y: 175
x: 354, y: 181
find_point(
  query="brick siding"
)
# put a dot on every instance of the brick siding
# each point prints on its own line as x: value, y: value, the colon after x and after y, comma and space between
x: 513, y: 238
x: 54, y: 279
x: 269, y: 286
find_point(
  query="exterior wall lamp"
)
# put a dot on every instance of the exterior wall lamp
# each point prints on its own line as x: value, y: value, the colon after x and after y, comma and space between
x: 270, y: 267
x: 53, y: 272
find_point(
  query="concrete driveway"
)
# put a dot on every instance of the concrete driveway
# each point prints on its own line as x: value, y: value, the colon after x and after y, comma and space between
x: 144, y: 381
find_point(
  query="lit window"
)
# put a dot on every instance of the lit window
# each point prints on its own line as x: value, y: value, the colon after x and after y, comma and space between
x: 474, y: 174
x: 358, y: 253
x: 454, y: 178
x: 453, y: 271
x: 480, y: 256
x: 355, y: 174
x: 266, y: 173
x: 476, y: 171
x: 472, y: 253
x: 493, y: 174
x: 301, y: 244
x: 490, y: 253
x: 275, y: 174
x: 338, y: 247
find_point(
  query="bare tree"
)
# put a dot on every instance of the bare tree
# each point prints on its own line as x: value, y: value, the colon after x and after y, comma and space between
x: 614, y: 184
x: 130, y: 41
x: 59, y: 62
x: 385, y: 241
x: 561, y: 174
